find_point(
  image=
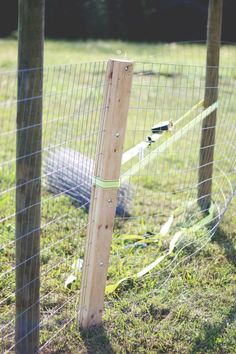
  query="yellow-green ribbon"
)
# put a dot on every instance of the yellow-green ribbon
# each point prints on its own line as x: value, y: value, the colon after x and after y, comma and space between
x: 202, y: 223
x: 106, y: 184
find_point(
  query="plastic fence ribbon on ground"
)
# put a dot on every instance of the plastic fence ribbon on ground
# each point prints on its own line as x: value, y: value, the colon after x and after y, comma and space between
x: 149, y: 158
x: 112, y: 287
x: 149, y: 238
x: 207, y: 219
x: 130, y: 237
x: 139, y: 240
x: 166, y: 227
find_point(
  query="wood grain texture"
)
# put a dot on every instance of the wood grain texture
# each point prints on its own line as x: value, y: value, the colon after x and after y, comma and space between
x: 28, y: 174
x: 206, y: 160
x: 103, y: 201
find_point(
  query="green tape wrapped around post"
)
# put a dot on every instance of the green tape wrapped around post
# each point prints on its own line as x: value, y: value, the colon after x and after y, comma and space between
x: 106, y: 184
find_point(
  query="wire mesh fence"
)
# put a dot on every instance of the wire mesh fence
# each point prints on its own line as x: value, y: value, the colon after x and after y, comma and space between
x: 158, y: 220
x: 72, y: 106
x: 164, y: 173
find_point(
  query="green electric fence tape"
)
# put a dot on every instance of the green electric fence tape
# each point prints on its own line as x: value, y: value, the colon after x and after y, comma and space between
x: 111, y: 288
x: 106, y: 184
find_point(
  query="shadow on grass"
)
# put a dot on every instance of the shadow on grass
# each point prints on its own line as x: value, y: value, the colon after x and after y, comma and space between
x: 212, y: 332
x: 97, y: 341
x: 226, y: 244
x: 209, y: 340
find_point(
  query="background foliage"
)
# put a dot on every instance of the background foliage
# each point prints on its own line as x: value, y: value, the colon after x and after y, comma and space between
x: 138, y: 20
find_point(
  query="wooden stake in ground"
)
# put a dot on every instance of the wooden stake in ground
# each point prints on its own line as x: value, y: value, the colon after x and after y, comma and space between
x: 211, y: 95
x: 28, y: 174
x: 104, y: 193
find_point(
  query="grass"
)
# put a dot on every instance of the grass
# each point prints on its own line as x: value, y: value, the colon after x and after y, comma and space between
x: 194, y: 311
x: 70, y: 52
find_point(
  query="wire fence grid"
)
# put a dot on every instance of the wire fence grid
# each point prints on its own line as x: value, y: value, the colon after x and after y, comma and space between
x: 158, y: 221
x: 72, y: 106
x: 164, y: 176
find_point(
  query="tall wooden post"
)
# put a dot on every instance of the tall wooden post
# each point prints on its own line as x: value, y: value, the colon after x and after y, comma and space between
x: 211, y: 95
x: 104, y: 192
x: 28, y: 174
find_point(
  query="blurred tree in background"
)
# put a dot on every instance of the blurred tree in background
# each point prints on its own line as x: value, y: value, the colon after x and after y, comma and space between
x: 138, y: 20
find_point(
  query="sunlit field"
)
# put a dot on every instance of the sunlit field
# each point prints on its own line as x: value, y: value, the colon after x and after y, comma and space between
x: 189, y: 307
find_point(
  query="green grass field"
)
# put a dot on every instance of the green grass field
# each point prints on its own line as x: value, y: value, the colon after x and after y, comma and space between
x: 187, y: 308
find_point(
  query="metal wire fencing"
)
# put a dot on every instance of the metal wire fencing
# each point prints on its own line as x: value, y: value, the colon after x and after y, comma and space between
x: 159, y: 221
x: 71, y: 108
x: 167, y: 224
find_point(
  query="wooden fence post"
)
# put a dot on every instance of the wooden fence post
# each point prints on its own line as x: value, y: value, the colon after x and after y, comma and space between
x: 104, y: 194
x: 211, y: 95
x: 28, y: 174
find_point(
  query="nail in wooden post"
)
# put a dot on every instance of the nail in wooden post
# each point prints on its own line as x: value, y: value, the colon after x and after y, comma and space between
x: 211, y: 95
x: 103, y: 201
x: 28, y: 174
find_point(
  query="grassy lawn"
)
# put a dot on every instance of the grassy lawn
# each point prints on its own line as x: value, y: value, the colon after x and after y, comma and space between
x: 187, y: 303
x: 69, y: 52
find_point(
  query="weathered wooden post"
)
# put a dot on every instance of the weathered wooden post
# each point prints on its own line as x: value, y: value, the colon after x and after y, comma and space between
x: 28, y: 174
x: 104, y: 193
x: 211, y: 95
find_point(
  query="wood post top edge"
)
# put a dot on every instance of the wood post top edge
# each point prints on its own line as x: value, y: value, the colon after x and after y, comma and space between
x: 124, y: 61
